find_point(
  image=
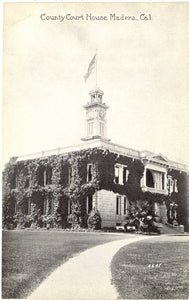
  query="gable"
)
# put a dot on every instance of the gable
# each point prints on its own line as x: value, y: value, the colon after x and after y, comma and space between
x: 160, y: 157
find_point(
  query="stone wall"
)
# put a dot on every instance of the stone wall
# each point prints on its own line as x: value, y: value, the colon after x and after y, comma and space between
x: 106, y: 204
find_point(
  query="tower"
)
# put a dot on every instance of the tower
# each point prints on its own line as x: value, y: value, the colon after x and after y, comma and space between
x: 96, y: 116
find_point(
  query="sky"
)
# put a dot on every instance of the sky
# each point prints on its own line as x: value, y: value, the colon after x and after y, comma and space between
x: 143, y: 70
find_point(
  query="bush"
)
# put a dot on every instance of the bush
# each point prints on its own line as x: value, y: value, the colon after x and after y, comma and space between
x: 8, y: 222
x: 94, y: 219
x: 22, y: 221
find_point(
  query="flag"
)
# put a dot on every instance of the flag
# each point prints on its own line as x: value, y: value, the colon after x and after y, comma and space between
x: 90, y: 67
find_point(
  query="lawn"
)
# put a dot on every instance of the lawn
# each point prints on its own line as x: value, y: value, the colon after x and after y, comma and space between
x: 153, y: 269
x: 29, y: 257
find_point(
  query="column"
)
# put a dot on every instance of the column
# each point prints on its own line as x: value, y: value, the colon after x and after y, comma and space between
x: 144, y: 177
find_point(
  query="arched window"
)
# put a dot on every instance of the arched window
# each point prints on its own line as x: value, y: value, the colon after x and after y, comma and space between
x: 149, y: 179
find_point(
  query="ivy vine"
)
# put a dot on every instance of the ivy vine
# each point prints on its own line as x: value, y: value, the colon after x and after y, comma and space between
x: 23, y: 184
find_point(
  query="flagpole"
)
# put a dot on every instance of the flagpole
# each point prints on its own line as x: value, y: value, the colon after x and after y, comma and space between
x: 96, y: 66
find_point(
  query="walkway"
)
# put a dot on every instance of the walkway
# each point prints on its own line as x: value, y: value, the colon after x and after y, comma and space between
x: 168, y: 230
x: 86, y: 276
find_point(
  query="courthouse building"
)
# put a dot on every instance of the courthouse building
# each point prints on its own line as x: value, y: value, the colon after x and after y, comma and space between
x: 100, y: 174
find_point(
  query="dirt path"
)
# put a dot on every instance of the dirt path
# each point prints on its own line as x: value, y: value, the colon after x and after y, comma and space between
x: 86, y: 276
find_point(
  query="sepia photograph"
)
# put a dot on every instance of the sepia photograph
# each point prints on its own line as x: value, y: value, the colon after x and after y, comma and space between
x: 95, y: 153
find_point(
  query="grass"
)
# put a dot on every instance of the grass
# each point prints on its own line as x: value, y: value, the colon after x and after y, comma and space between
x: 153, y: 269
x: 30, y: 256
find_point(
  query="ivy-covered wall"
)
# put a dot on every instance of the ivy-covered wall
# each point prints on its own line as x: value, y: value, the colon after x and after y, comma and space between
x: 25, y: 192
x: 182, y: 197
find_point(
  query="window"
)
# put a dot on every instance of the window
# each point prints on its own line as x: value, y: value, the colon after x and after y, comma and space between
x: 69, y: 207
x: 121, y: 174
x: 121, y: 205
x: 101, y: 129
x: 29, y: 207
x: 125, y: 206
x: 155, y: 179
x: 118, y: 205
x: 163, y: 181
x: 89, y: 172
x: 51, y: 207
x: 175, y: 186
x: 45, y: 176
x: 27, y: 183
x: 125, y: 174
x: 48, y: 176
x: 93, y: 98
x: 45, y: 207
x: 170, y: 184
x: 14, y: 181
x: 100, y: 98
x: 89, y: 204
x: 90, y: 128
x: 41, y: 176
x: 149, y: 179
x: 116, y: 174
x: 15, y: 208
x: 69, y: 175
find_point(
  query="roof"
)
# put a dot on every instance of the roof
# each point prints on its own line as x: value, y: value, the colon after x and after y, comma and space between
x: 112, y: 147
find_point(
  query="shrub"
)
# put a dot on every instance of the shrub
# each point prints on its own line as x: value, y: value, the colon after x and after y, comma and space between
x: 94, y: 219
x: 22, y: 221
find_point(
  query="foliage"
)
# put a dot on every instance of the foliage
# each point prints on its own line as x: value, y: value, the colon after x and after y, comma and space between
x: 94, y: 219
x: 8, y: 208
x: 139, y: 209
x: 182, y: 197
x: 24, y: 185
x: 106, y: 163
